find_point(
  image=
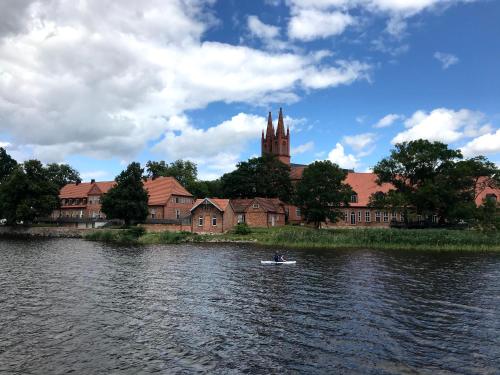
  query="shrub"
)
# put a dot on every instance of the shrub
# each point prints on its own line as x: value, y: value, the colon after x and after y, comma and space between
x: 242, y: 228
x: 136, y: 232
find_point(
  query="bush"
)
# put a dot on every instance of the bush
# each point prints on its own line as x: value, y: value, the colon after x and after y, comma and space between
x: 136, y: 232
x: 242, y: 228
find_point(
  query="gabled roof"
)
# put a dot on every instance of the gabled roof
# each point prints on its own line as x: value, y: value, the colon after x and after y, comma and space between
x: 485, y: 188
x: 82, y: 189
x: 162, y: 188
x: 220, y: 204
x: 267, y: 204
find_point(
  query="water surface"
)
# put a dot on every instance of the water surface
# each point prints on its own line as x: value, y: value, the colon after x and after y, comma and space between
x: 90, y: 308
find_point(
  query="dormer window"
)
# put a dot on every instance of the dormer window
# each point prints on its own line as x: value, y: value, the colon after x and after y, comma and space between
x: 255, y: 205
x: 354, y: 198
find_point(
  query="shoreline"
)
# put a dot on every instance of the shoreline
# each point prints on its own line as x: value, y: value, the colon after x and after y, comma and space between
x: 291, y: 237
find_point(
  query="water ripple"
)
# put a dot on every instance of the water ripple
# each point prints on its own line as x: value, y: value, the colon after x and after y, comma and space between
x: 88, y: 308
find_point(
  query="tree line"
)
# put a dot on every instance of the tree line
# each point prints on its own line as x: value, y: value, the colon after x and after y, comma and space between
x: 427, y: 178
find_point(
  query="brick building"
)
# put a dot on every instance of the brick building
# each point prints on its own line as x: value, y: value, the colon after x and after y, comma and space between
x: 212, y: 215
x: 168, y: 199
x: 259, y: 212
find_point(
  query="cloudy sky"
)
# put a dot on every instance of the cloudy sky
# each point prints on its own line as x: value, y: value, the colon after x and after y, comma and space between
x: 100, y: 83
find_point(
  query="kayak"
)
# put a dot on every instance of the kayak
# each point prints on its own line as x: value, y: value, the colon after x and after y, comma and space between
x: 273, y: 262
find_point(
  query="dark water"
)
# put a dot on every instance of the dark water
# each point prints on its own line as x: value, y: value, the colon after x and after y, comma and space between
x: 82, y: 307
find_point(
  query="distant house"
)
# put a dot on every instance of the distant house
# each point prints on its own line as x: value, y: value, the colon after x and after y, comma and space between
x: 212, y: 215
x: 168, y: 199
x: 259, y: 212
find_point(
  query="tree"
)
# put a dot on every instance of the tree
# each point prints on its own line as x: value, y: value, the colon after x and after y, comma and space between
x: 258, y: 177
x: 127, y: 200
x: 321, y: 194
x: 62, y: 174
x: 28, y: 193
x: 431, y: 179
x: 184, y: 171
x: 202, y: 189
x: 7, y: 165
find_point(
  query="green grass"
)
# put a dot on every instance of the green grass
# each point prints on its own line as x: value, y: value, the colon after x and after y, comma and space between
x: 303, y: 237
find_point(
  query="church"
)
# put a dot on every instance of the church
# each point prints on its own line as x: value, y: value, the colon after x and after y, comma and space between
x: 277, y: 142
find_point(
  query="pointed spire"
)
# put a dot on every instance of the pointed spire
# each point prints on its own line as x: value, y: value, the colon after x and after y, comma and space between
x: 281, y: 125
x: 270, y: 127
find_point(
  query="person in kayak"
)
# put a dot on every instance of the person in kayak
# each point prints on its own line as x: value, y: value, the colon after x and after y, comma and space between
x: 276, y: 257
x: 282, y: 258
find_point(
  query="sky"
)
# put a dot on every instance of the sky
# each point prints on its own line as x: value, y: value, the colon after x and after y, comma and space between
x: 101, y: 83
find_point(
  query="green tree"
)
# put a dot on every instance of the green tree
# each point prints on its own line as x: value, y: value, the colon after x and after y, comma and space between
x: 184, y: 171
x: 62, y: 174
x: 488, y: 215
x: 28, y: 193
x: 429, y: 178
x: 127, y: 200
x: 202, y: 189
x: 258, y: 177
x: 7, y: 165
x: 321, y: 194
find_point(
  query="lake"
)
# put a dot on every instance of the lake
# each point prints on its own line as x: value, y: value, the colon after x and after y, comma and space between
x: 74, y: 306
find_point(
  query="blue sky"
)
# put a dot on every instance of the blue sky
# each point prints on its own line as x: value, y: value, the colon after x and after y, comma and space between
x: 98, y: 84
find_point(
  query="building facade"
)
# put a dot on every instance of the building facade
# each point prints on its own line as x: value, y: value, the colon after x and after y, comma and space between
x: 168, y: 200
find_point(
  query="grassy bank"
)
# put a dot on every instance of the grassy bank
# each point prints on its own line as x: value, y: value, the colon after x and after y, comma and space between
x: 300, y: 237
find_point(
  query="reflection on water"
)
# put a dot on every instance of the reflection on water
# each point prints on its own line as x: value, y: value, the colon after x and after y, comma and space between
x: 70, y: 305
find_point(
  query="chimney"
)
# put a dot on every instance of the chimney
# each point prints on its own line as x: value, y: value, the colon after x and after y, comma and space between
x: 92, y: 181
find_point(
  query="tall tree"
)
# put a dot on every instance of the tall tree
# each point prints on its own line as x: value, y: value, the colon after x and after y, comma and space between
x: 127, y: 200
x: 7, y: 165
x: 429, y: 178
x: 258, y: 177
x: 321, y: 194
x: 62, y: 174
x: 28, y: 193
x: 184, y: 171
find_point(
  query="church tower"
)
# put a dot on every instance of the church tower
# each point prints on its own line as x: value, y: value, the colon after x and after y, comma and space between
x: 276, y: 143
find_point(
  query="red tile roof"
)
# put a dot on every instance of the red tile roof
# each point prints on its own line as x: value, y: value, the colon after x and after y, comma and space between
x: 268, y: 204
x: 160, y: 190
x: 220, y: 204
x: 484, y: 188
x: 365, y: 184
x: 81, y: 190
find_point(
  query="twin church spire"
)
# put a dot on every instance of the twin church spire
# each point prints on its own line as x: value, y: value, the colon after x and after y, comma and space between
x: 277, y: 143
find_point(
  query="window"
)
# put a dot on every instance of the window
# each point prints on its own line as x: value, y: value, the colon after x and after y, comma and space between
x: 359, y: 216
x: 177, y: 214
x: 346, y: 216
x: 377, y: 216
x: 177, y: 199
x: 214, y: 221
x: 354, y: 198
x: 297, y: 212
x: 255, y: 205
x: 394, y: 216
x: 491, y: 197
x: 241, y: 218
x: 419, y: 218
x: 368, y: 216
x: 153, y: 213
x: 353, y: 218
x: 434, y: 219
x: 200, y: 221
x: 386, y: 216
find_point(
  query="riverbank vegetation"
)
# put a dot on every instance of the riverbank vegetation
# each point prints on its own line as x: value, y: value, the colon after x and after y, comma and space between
x: 305, y: 237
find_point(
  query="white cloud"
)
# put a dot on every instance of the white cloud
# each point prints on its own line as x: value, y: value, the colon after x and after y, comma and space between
x: 485, y: 144
x: 138, y: 65
x: 310, y: 24
x: 388, y: 120
x: 312, y: 19
x: 446, y: 59
x: 444, y: 125
x: 360, y: 142
x: 338, y: 155
x: 303, y: 148
x: 262, y: 30
x: 5, y: 144
x: 216, y: 149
